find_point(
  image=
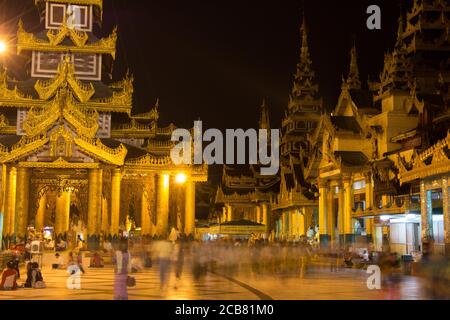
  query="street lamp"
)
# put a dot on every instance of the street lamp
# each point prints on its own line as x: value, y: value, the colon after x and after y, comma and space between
x: 181, y: 178
x: 3, y: 47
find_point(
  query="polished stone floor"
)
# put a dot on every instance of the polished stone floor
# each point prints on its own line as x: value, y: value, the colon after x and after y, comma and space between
x: 317, y: 283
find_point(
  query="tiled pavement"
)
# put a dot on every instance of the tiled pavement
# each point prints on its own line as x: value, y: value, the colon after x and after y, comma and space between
x: 97, y: 284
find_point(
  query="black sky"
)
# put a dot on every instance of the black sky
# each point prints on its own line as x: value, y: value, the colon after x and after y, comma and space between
x: 216, y: 60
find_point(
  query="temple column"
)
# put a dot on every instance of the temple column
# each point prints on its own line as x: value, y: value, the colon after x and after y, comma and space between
x: 4, y: 230
x: 22, y: 201
x: 323, y: 213
x: 348, y: 210
x: 230, y: 213
x: 11, y: 204
x: 189, y: 224
x: 369, y: 229
x: 62, y: 214
x: 426, y: 209
x: 258, y: 213
x: 369, y: 206
x: 446, y: 214
x: 105, y: 217
x: 93, y: 209
x: 115, y: 201
x: 301, y: 222
x: 293, y: 218
x: 265, y: 216
x: 145, y: 215
x: 330, y: 213
x: 341, y: 209
x: 99, y: 202
x: 223, y: 216
x: 369, y: 192
x: 40, y: 215
x: 162, y: 207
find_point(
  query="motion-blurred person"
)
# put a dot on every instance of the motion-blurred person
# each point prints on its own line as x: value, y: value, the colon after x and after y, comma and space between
x: 164, y: 249
x: 179, y: 261
x: 122, y: 262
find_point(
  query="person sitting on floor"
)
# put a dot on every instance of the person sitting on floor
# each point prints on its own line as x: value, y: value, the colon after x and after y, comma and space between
x: 35, y: 280
x: 96, y: 261
x: 60, y: 263
x: 9, y: 277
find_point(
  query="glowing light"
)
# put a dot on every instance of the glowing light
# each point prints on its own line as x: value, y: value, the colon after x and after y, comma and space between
x: 181, y: 178
x: 2, y: 47
x: 166, y: 180
x: 385, y: 218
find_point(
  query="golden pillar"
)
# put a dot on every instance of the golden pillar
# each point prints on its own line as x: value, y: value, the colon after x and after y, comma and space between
x: 258, y: 213
x: 162, y: 207
x: 93, y: 204
x: 301, y: 222
x: 446, y: 214
x: 99, y: 202
x: 265, y: 216
x: 369, y: 192
x: 369, y: 229
x: 224, y: 215
x: 11, y: 202
x: 105, y: 217
x: 5, y: 200
x: 145, y: 215
x: 348, y: 210
x: 189, y: 225
x: 40, y: 215
x: 323, y: 212
x: 426, y: 209
x: 62, y: 213
x: 341, y: 210
x: 230, y: 213
x: 115, y: 201
x: 4, y: 184
x: 330, y: 213
x: 22, y: 201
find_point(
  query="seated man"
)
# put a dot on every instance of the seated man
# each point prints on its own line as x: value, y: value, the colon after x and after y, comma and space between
x: 96, y: 261
x: 9, y: 277
x: 60, y: 263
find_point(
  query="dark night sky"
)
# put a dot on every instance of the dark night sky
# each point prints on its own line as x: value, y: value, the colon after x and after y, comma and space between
x: 216, y: 60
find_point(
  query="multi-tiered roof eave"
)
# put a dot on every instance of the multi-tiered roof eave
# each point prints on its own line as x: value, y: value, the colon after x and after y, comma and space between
x: 116, y: 98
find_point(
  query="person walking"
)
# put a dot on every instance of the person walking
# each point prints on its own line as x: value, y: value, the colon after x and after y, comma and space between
x: 122, y: 262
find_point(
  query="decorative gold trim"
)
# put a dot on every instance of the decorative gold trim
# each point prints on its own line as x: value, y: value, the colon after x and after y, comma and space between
x: 27, y: 41
x: 22, y: 148
x: 66, y: 75
x: 149, y: 160
x: 60, y: 163
x: 440, y: 163
x: 95, y: 148
x: 39, y: 120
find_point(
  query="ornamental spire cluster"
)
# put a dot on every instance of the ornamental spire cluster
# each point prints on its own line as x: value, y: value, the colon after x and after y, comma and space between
x: 305, y: 86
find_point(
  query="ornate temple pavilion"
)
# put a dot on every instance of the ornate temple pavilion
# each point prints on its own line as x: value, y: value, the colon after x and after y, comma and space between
x: 384, y: 167
x: 74, y: 155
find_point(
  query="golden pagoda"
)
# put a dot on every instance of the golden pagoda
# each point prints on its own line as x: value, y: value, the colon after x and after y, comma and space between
x: 72, y: 151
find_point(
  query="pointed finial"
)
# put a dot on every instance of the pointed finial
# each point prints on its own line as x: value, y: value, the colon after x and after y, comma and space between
x: 353, y: 75
x: 157, y: 104
x: 304, y: 34
x: 400, y: 27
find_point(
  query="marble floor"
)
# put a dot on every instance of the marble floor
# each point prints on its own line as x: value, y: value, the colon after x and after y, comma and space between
x: 318, y: 283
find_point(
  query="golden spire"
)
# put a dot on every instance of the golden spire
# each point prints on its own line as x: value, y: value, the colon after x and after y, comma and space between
x: 353, y: 81
x: 264, y: 120
x: 305, y: 86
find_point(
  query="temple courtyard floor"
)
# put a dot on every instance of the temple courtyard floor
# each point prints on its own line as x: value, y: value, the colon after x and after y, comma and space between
x: 318, y: 284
